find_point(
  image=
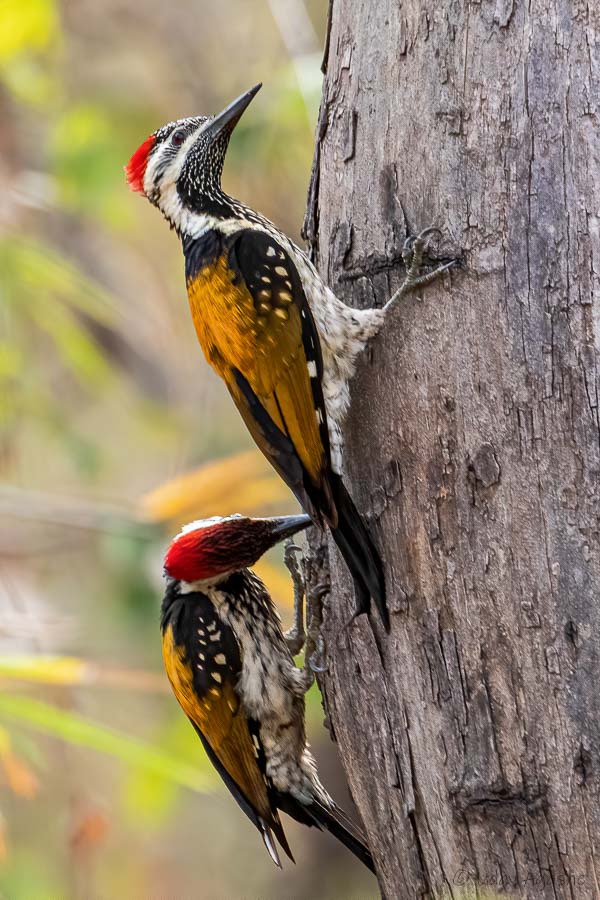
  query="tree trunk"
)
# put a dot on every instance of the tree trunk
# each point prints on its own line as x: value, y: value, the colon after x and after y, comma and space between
x: 471, y: 735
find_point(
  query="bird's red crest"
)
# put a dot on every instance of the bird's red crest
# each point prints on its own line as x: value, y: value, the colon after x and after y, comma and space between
x: 185, y: 557
x: 136, y: 167
x: 213, y: 550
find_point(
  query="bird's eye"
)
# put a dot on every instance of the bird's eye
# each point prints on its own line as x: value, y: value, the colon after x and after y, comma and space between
x: 178, y: 137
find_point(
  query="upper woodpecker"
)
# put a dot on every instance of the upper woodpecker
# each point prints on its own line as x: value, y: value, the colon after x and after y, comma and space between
x: 284, y: 344
x: 234, y: 676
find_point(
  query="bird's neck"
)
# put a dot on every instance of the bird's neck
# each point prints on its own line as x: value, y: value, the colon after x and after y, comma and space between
x: 232, y: 586
x: 217, y: 211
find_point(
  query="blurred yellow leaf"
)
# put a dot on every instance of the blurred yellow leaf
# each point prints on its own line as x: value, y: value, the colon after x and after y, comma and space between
x: 5, y: 742
x: 75, y: 670
x: 26, y: 25
x: 243, y: 483
x: 12, y: 360
x: 46, y: 669
x: 21, y: 780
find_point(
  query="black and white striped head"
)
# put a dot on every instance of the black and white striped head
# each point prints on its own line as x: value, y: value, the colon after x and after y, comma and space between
x: 178, y: 168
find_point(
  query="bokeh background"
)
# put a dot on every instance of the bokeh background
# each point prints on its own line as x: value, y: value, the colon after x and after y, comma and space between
x: 114, y: 432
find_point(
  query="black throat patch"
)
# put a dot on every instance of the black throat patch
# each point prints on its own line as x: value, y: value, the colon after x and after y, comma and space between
x: 201, y: 252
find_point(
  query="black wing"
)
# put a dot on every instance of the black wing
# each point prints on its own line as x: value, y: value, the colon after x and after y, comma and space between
x: 281, y: 400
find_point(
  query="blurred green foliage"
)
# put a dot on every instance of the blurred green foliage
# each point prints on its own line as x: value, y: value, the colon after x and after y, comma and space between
x: 77, y: 730
x: 87, y: 146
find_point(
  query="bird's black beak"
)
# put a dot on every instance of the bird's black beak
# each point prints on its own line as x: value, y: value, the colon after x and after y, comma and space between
x: 225, y: 121
x: 286, y: 526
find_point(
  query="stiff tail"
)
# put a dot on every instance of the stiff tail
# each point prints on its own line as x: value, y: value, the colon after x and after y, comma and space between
x: 336, y: 822
x: 359, y: 552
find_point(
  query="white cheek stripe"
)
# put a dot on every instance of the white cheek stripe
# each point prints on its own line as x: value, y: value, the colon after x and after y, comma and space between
x: 173, y: 170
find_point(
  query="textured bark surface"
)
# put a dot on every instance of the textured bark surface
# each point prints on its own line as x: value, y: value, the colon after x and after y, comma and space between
x: 471, y: 735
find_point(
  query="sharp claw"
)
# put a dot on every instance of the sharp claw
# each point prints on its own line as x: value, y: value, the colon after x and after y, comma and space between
x: 318, y: 670
x: 419, y: 239
x: 432, y: 229
x: 407, y: 251
x: 448, y: 265
x: 315, y: 660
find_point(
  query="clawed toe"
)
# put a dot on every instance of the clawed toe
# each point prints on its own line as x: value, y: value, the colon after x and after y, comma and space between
x: 295, y: 637
x: 413, y: 251
x: 424, y: 234
x: 316, y: 659
x: 416, y: 243
x: 310, y: 637
x: 315, y: 644
x: 314, y: 667
x: 295, y: 640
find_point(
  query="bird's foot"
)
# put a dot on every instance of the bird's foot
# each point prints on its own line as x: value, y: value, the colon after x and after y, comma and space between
x: 315, y: 643
x: 413, y: 251
x: 314, y: 650
x: 309, y: 638
x: 295, y: 637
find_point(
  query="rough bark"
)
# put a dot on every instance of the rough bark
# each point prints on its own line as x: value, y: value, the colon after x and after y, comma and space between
x: 471, y: 735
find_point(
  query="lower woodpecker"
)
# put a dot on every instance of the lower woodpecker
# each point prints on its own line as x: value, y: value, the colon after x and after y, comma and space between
x: 234, y: 677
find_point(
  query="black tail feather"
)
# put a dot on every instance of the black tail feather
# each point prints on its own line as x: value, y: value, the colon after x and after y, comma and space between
x: 336, y: 823
x: 359, y: 552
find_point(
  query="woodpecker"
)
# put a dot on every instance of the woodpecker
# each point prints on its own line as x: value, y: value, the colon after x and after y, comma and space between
x: 234, y: 677
x: 284, y: 344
